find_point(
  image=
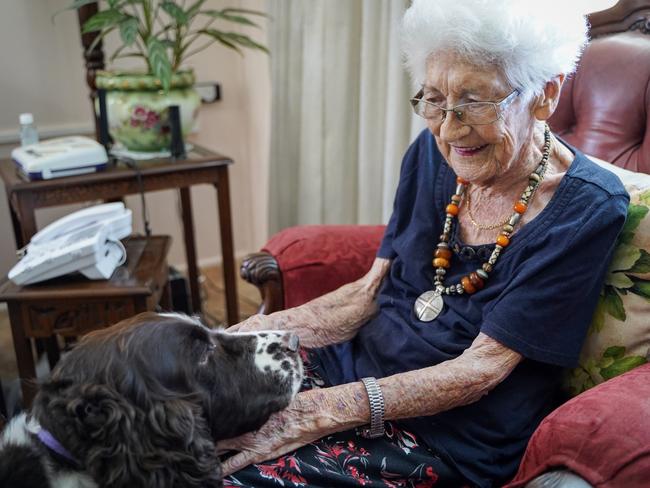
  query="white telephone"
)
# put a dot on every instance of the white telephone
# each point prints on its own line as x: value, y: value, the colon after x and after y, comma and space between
x: 87, y: 241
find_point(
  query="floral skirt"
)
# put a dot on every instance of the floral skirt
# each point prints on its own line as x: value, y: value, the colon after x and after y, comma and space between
x: 346, y: 459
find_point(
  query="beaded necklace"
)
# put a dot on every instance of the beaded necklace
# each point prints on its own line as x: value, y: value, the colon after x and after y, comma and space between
x: 429, y: 305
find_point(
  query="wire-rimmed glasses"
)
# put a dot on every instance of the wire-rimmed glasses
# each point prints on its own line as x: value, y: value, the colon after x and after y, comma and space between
x: 472, y: 113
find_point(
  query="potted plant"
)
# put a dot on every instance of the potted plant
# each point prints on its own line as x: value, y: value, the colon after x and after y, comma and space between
x: 163, y: 33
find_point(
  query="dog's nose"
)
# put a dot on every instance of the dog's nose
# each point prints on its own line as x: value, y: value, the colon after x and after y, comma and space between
x: 291, y: 341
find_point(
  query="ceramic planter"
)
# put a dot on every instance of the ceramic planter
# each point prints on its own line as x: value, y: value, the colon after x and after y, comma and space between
x: 138, y: 107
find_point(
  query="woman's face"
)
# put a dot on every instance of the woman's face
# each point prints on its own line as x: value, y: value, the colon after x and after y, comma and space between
x: 480, y: 153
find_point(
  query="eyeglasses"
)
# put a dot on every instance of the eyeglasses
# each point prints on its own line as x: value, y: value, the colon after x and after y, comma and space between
x: 473, y: 113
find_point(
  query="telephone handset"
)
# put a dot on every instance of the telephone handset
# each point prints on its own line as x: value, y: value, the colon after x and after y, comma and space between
x: 87, y: 241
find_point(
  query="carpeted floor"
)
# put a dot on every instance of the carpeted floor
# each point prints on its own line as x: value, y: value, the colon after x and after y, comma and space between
x: 214, y: 314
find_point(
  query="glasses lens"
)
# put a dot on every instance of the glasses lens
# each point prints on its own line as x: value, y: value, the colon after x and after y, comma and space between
x: 477, y: 113
x: 426, y: 110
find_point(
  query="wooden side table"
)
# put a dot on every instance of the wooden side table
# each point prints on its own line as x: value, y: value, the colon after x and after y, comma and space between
x: 72, y: 305
x: 199, y: 167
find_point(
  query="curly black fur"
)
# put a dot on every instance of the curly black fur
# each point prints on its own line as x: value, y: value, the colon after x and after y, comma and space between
x: 143, y: 403
x: 22, y: 467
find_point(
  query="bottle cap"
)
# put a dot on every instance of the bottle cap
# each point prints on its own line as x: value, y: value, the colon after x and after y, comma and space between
x: 26, y: 119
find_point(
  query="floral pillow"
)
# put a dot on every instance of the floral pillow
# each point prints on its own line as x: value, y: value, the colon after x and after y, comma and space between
x: 619, y: 337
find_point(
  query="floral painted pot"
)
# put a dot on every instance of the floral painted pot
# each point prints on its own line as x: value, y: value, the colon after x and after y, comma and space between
x: 138, y: 108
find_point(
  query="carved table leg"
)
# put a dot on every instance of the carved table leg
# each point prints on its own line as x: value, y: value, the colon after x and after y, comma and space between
x: 227, y: 247
x: 3, y: 408
x: 24, y: 356
x: 52, y: 350
x: 190, y: 249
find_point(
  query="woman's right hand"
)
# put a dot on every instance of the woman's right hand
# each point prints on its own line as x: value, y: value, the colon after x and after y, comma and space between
x: 255, y: 323
x: 328, y: 319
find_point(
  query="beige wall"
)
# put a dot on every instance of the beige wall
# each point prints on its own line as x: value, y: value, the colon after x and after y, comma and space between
x: 42, y: 72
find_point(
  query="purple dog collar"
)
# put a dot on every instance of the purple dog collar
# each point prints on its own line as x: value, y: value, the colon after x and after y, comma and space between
x: 51, y: 443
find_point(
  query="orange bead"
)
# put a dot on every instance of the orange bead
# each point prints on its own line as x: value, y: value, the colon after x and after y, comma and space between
x: 502, y: 240
x: 452, y: 209
x: 476, y: 280
x: 440, y: 263
x: 520, y: 207
x: 467, y: 285
x: 443, y: 253
x: 461, y: 181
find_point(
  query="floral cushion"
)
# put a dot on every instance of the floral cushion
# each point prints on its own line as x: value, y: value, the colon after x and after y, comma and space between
x: 619, y: 337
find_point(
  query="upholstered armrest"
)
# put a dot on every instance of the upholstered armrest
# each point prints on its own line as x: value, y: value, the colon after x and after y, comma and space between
x: 601, y: 435
x: 304, y: 262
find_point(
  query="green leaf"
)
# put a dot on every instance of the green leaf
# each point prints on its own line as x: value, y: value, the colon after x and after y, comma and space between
x: 604, y: 363
x: 625, y: 237
x: 167, y: 43
x: 614, y: 352
x: 621, y: 366
x: 129, y: 30
x: 217, y: 14
x: 635, y: 213
x: 641, y: 288
x: 598, y: 320
x: 100, y: 38
x: 642, y: 264
x: 645, y: 197
x: 159, y: 62
x: 614, y: 306
x: 243, y: 40
x: 175, y: 12
x: 625, y: 255
x: 128, y: 55
x: 103, y: 20
x: 218, y: 36
x: 244, y: 11
x: 194, y: 8
x: 618, y: 280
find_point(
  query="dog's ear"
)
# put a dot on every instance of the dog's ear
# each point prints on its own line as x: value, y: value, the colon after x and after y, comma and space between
x: 122, y: 445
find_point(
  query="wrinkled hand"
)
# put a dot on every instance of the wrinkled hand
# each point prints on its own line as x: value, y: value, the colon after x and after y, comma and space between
x: 309, y: 417
x: 254, y: 323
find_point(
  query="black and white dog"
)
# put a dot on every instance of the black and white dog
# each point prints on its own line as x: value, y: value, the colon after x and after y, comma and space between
x: 144, y: 404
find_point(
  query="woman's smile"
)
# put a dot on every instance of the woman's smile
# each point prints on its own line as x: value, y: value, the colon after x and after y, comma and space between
x: 469, y: 151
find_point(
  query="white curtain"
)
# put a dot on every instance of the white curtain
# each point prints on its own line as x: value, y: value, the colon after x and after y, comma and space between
x: 341, y: 120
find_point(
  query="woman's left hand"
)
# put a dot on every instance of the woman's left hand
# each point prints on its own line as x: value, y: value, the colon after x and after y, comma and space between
x: 312, y: 414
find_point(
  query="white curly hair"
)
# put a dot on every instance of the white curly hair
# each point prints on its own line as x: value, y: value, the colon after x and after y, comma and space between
x: 531, y: 42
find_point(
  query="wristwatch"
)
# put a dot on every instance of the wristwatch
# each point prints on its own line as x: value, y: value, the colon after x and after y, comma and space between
x: 377, y: 409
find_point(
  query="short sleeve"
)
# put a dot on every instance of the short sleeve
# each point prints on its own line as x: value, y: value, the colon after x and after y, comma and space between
x: 546, y: 308
x: 406, y: 187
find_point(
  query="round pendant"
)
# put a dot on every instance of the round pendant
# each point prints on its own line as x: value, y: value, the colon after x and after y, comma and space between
x: 428, y: 305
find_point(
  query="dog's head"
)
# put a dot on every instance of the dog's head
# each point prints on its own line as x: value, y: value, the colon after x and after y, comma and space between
x: 142, y: 403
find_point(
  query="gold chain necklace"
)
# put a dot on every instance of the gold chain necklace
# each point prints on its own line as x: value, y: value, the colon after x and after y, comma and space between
x: 482, y: 226
x: 430, y: 303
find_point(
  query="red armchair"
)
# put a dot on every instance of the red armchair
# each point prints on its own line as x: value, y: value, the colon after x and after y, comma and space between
x: 604, y: 111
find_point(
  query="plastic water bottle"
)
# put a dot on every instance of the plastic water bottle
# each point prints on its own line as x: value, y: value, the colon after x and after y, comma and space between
x: 28, y: 132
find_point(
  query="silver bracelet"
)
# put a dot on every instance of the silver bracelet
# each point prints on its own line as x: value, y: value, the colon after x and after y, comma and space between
x: 377, y: 409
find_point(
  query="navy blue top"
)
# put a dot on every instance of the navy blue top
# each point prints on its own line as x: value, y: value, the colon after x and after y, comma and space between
x: 538, y: 301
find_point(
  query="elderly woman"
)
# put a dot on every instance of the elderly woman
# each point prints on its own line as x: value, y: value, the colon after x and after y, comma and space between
x: 435, y: 368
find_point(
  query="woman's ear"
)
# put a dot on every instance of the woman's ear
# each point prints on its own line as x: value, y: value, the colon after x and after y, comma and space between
x: 549, y: 98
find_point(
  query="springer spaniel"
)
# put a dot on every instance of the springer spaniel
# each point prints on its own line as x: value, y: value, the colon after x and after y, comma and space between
x: 144, y: 403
